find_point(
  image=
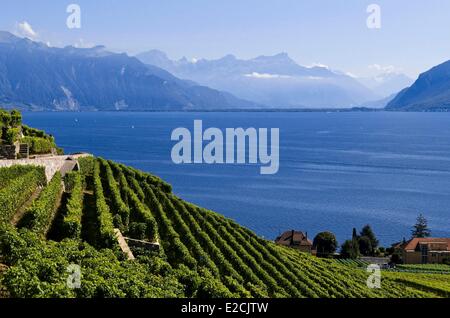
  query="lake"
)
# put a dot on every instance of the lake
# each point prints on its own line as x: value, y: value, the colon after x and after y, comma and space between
x: 337, y: 170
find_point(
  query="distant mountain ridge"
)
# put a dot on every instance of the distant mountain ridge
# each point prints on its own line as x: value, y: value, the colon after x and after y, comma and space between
x: 387, y: 84
x: 431, y: 92
x: 275, y: 81
x: 35, y: 76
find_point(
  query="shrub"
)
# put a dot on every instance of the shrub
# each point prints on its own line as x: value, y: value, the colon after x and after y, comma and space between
x: 86, y: 165
x: 105, y: 221
x: 70, y: 180
x: 16, y: 118
x: 39, y: 270
x: 33, y: 132
x: 9, y: 174
x: 39, y: 145
x: 74, y: 207
x: 10, y: 119
x: 12, y: 135
x: 117, y: 204
x: 5, y: 118
x: 142, y: 214
x: 59, y: 151
x: 138, y: 230
x: 118, y: 223
x: 134, y: 184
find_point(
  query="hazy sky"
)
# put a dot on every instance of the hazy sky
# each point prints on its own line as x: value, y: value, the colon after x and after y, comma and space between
x: 414, y: 34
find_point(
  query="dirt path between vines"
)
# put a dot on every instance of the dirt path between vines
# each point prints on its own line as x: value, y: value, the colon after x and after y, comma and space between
x: 21, y: 211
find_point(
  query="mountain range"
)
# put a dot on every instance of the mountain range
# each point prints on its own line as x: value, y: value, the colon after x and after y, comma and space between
x: 431, y: 92
x: 34, y: 76
x: 274, y: 81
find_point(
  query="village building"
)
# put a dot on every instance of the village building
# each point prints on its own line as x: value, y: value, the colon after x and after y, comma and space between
x: 297, y: 240
x: 424, y: 250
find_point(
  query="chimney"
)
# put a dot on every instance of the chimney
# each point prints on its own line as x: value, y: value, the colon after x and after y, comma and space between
x: 306, y: 234
x: 292, y: 237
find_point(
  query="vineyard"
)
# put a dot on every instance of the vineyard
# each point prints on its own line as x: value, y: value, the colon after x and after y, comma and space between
x: 45, y: 227
x: 357, y: 263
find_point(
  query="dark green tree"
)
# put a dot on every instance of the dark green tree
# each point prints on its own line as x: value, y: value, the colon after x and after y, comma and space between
x: 354, y: 234
x: 368, y: 232
x: 365, y: 246
x: 325, y: 243
x: 5, y: 118
x: 420, y: 229
x: 16, y: 118
x: 355, y: 244
x: 349, y: 250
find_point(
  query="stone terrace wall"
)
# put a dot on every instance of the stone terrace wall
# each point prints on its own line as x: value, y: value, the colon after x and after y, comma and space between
x: 7, y: 151
x: 51, y: 164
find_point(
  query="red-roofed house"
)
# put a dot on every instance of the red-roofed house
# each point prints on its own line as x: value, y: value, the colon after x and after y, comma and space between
x: 297, y: 240
x: 425, y: 250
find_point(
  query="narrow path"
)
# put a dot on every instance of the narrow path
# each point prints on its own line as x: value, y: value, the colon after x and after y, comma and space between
x: 123, y: 245
x: 54, y: 232
x: 21, y: 211
x: 89, y: 221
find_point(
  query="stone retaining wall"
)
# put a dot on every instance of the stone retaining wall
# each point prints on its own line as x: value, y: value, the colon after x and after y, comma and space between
x: 7, y: 151
x: 51, y: 164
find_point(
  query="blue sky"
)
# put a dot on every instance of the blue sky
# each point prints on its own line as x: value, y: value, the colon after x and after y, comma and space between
x: 415, y: 34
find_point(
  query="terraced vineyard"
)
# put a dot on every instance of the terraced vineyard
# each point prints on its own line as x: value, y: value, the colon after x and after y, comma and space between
x: 353, y: 262
x: 424, y: 268
x: 202, y: 253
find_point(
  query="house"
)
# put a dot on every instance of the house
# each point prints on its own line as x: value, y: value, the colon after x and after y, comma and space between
x: 424, y: 250
x: 297, y: 240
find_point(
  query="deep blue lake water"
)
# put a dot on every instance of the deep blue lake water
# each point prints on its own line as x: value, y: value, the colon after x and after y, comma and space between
x: 337, y: 170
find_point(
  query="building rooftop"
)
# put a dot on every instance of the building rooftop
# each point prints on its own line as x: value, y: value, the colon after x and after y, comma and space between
x: 432, y: 242
x: 294, y: 238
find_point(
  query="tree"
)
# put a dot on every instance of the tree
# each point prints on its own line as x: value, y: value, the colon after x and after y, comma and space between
x: 396, y: 258
x: 349, y: 250
x: 420, y: 229
x: 354, y: 234
x: 16, y: 118
x: 368, y: 232
x: 365, y: 246
x: 355, y: 244
x: 5, y: 118
x: 325, y: 243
